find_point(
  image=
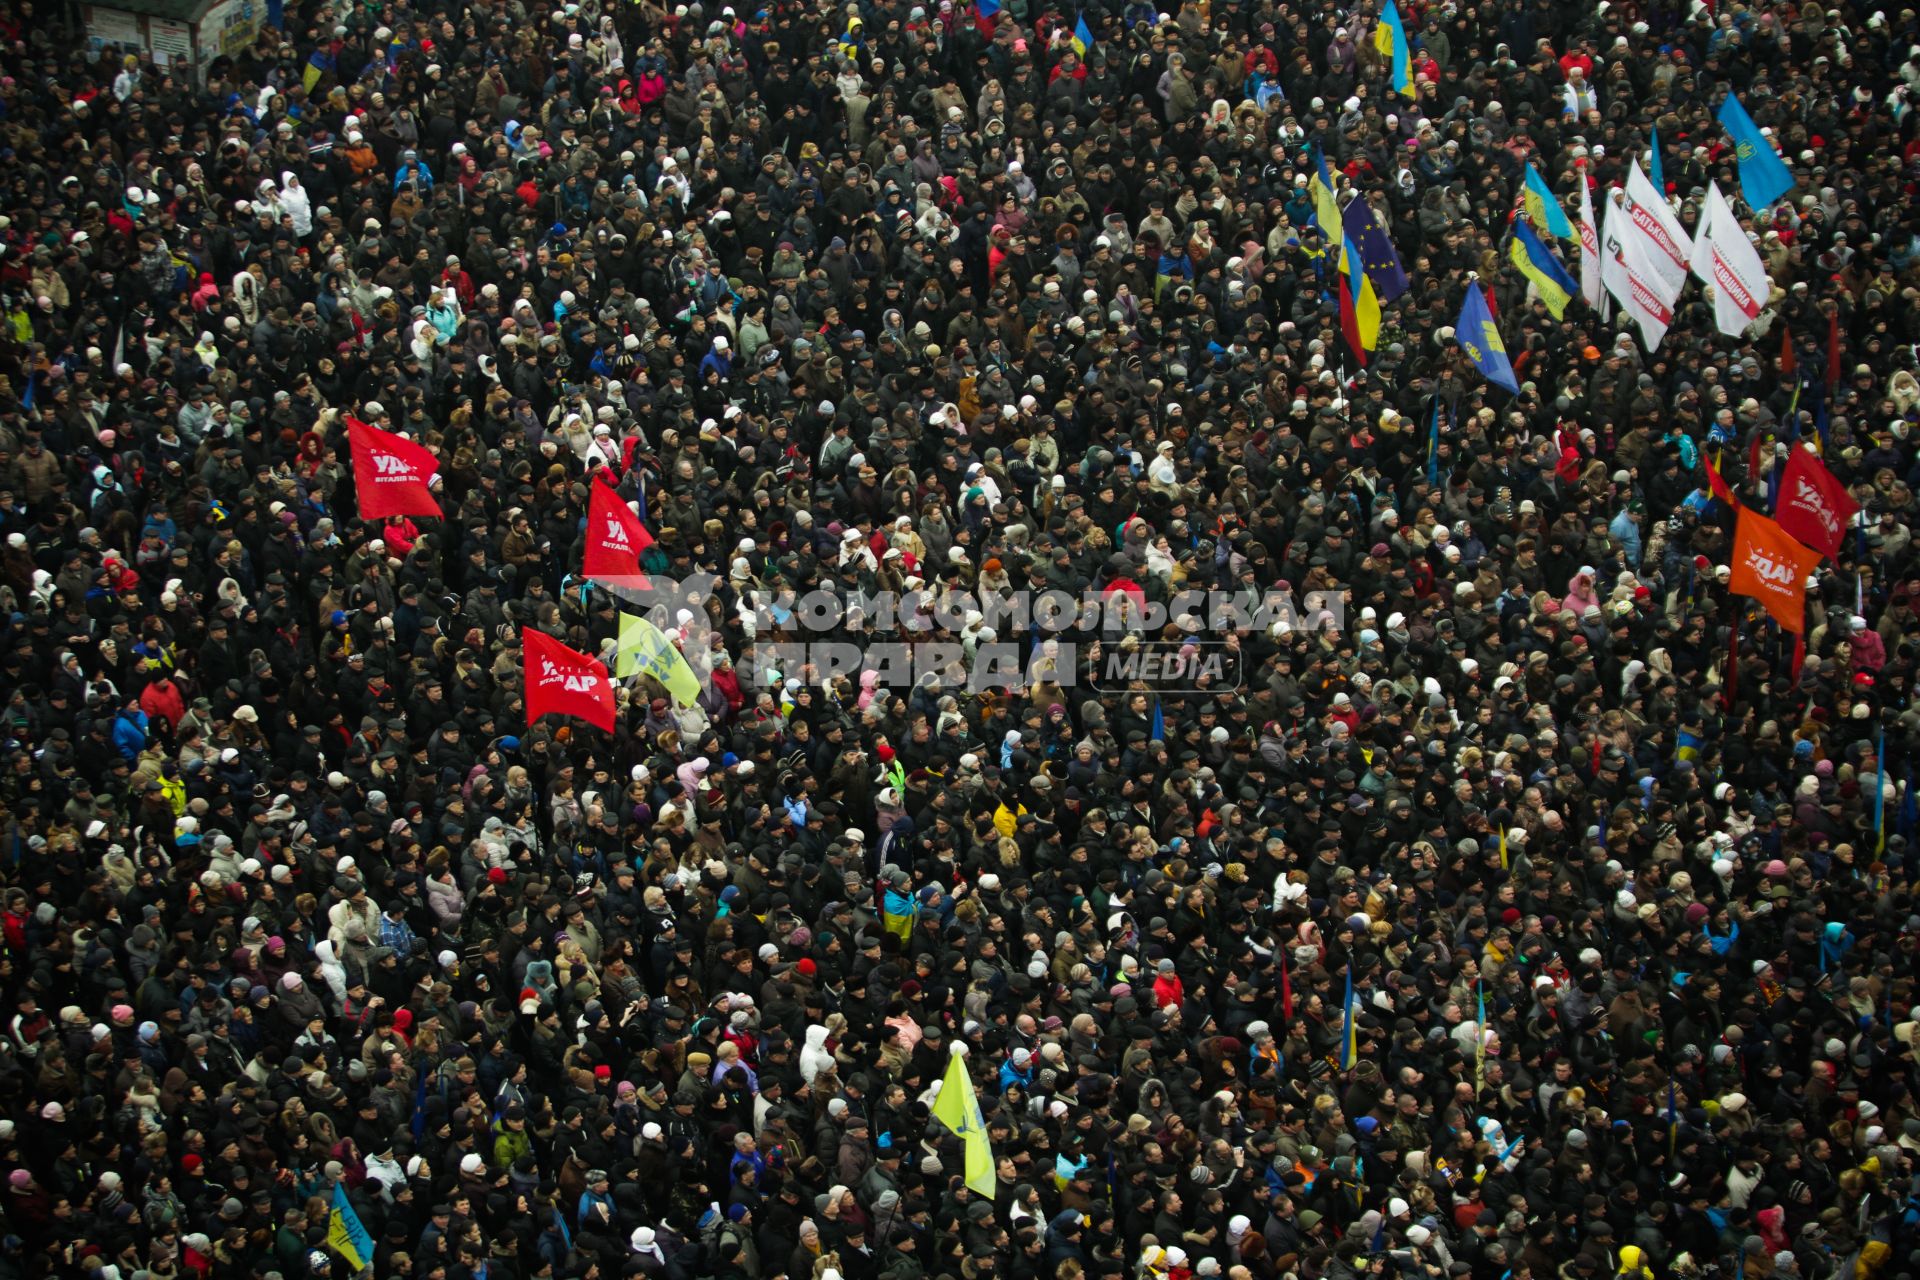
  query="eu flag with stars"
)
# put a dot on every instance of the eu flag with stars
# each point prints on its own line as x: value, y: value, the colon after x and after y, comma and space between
x: 1377, y: 254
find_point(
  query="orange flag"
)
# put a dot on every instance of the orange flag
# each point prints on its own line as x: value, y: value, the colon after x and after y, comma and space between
x: 1769, y: 566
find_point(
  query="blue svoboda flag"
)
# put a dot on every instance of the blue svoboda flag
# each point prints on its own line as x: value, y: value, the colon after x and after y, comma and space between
x: 1480, y: 338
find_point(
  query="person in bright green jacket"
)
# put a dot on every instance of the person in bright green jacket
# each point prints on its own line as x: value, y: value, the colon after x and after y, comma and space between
x: 510, y: 1137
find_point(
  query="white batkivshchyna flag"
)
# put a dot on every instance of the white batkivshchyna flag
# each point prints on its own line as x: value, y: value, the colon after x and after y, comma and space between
x: 1724, y: 258
x: 1590, y: 286
x: 1630, y: 277
x: 1669, y: 248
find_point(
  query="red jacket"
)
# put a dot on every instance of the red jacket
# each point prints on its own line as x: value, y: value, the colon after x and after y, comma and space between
x: 163, y: 701
x: 1169, y: 991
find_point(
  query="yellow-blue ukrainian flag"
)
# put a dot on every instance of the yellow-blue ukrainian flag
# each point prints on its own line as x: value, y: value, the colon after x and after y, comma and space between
x: 1082, y: 36
x: 1544, y: 209
x: 1349, y: 1032
x: 1366, y: 302
x: 1325, y: 211
x: 1537, y: 263
x: 1479, y: 337
x: 958, y: 1108
x: 1390, y: 38
x: 345, y: 1235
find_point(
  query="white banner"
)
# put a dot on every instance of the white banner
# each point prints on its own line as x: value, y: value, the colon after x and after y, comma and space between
x: 1630, y: 277
x: 1725, y: 259
x: 1668, y: 247
x: 1590, y: 287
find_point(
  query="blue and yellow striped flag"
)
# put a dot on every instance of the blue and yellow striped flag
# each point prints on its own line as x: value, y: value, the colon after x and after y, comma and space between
x: 345, y: 1235
x: 1537, y: 263
x: 1326, y: 211
x: 1082, y: 36
x: 1390, y: 38
x: 1543, y: 208
x: 1480, y: 1039
x: 1350, y: 1032
x: 1366, y: 302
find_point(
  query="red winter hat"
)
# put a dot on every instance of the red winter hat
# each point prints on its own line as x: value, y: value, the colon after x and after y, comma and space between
x: 807, y: 967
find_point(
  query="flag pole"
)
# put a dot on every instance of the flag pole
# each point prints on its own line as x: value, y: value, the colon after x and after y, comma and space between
x: 1733, y: 661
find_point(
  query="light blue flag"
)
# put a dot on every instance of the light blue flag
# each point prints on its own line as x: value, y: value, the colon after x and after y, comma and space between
x: 1433, y: 446
x: 1653, y: 163
x: 1764, y: 177
x: 1480, y: 338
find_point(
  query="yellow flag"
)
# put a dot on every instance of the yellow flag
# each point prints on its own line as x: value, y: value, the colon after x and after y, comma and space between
x: 644, y: 649
x: 958, y: 1108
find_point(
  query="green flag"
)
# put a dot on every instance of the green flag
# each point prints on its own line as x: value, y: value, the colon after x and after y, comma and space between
x: 958, y: 1108
x: 644, y: 649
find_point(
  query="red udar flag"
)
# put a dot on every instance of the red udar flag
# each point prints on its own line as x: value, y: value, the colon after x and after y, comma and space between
x: 561, y: 682
x: 615, y: 539
x: 1814, y: 507
x: 392, y: 475
x: 1769, y: 566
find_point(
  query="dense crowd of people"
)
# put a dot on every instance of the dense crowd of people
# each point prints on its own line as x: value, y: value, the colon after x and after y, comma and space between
x: 1532, y: 912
